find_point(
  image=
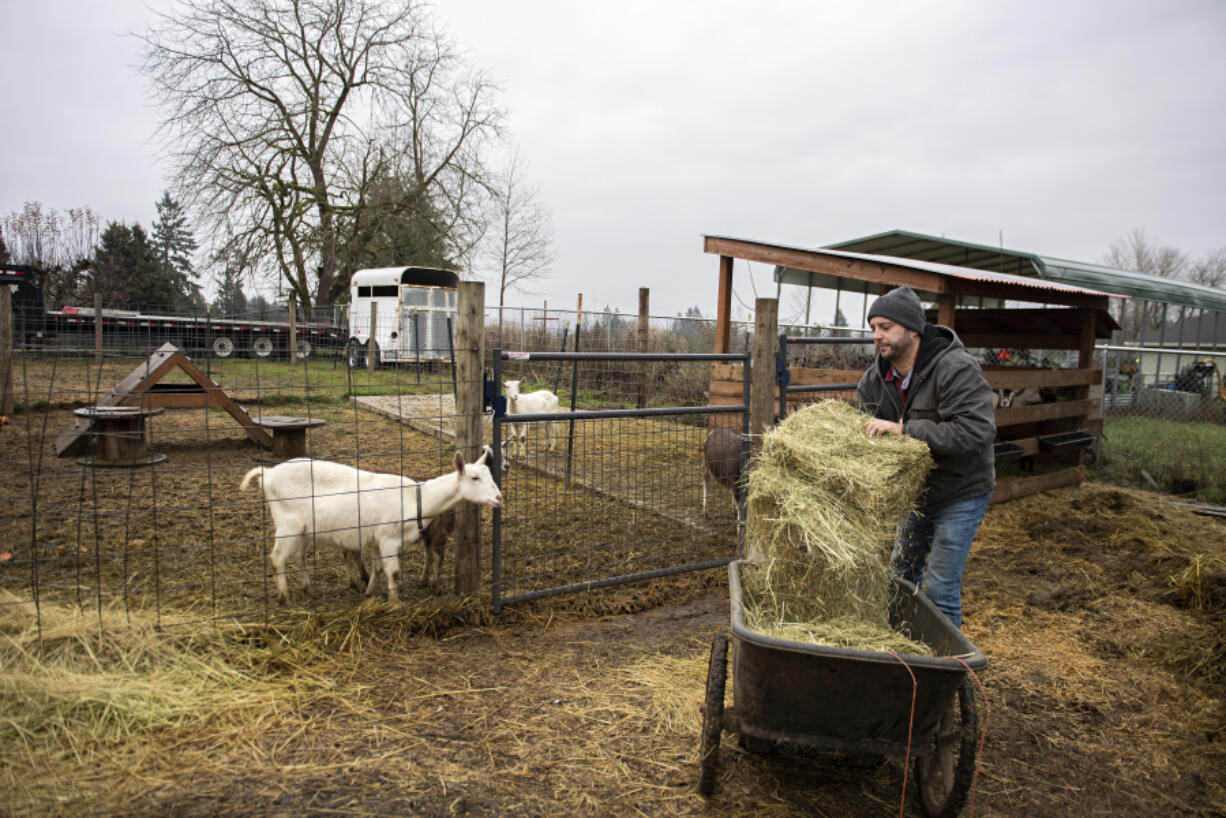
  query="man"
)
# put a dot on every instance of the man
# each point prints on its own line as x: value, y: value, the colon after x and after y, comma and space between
x: 925, y: 384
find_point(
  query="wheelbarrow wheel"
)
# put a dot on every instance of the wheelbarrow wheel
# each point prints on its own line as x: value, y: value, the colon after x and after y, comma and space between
x: 943, y: 775
x: 713, y: 714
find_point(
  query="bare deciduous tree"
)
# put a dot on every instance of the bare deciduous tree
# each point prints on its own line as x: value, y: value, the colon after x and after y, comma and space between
x: 520, y: 239
x: 280, y: 114
x: 1210, y: 269
x: 62, y: 245
x: 1136, y: 253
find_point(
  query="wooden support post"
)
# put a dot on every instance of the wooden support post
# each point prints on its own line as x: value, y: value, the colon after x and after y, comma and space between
x: 293, y: 328
x: 723, y: 309
x: 578, y: 323
x: 1085, y: 350
x: 644, y: 299
x: 6, y: 350
x: 1085, y: 360
x: 946, y: 306
x: 98, y: 332
x: 371, y: 346
x: 762, y: 383
x: 470, y: 357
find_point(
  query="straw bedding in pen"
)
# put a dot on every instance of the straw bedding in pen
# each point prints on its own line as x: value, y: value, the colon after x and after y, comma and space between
x: 825, y: 500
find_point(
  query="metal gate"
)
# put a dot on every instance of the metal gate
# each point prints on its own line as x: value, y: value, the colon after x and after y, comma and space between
x: 609, y: 495
x: 783, y: 378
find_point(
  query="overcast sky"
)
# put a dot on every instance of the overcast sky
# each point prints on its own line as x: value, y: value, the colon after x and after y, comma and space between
x: 1055, y: 126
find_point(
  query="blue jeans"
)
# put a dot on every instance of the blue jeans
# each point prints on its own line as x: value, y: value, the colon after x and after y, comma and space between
x: 940, y: 539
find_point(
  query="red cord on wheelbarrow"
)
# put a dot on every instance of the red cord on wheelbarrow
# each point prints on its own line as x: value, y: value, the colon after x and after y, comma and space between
x: 906, y: 762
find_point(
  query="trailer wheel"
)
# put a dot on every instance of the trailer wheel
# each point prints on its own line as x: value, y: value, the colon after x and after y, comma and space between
x: 303, y: 349
x: 261, y: 348
x: 713, y: 714
x: 223, y: 346
x: 355, y: 354
x: 943, y: 775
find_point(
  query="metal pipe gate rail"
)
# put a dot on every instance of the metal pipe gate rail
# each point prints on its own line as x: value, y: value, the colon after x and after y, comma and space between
x: 497, y: 402
x: 784, y: 378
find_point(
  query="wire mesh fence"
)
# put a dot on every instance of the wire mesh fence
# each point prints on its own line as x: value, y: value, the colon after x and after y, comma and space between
x: 1180, y: 384
x: 607, y: 498
x: 149, y: 515
x: 600, y: 495
x: 157, y: 521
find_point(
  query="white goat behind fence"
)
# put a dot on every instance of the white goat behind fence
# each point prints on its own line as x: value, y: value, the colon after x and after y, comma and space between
x: 528, y: 403
x: 346, y: 508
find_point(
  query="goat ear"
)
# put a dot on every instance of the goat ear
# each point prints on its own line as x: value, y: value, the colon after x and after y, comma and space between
x: 485, y: 453
x: 459, y: 462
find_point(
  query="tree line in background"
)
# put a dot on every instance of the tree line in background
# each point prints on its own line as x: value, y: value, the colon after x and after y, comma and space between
x: 316, y: 139
x: 130, y: 266
x: 308, y: 141
x: 1137, y: 253
x: 133, y: 268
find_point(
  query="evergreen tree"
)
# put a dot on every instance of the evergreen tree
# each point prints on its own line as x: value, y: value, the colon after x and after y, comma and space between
x: 396, y: 226
x: 129, y: 273
x: 231, y: 300
x: 174, y: 243
x: 4, y: 251
x: 259, y: 308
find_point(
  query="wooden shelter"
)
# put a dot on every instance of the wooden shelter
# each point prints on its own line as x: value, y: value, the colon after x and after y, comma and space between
x: 1064, y: 318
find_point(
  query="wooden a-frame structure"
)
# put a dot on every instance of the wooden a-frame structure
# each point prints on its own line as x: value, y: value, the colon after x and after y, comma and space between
x: 143, y: 388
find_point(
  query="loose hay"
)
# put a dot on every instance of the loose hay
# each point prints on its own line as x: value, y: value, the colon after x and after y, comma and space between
x: 824, y: 504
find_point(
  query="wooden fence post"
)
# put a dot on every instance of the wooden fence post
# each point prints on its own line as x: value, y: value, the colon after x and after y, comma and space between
x: 98, y: 333
x: 293, y: 328
x: 762, y: 375
x: 644, y: 298
x: 371, y: 346
x: 469, y: 360
x: 6, y: 350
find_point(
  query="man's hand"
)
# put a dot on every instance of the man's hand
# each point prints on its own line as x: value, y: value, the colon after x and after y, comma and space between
x: 878, y: 427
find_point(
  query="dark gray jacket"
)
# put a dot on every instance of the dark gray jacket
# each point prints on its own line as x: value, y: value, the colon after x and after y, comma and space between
x: 949, y: 407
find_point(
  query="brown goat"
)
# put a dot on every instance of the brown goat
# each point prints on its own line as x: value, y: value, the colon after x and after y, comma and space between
x: 721, y: 461
x: 434, y: 538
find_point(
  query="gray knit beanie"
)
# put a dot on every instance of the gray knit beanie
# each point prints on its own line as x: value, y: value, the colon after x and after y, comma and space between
x: 902, y: 306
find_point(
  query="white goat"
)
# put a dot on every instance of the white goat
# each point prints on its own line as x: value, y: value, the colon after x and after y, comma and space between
x: 528, y: 403
x: 347, y: 508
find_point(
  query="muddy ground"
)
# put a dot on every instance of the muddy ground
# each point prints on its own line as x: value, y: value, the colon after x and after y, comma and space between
x: 1095, y: 705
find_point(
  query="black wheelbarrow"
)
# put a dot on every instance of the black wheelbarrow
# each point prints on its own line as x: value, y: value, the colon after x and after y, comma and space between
x: 796, y: 695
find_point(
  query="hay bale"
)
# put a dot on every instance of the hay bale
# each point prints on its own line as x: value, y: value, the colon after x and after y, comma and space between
x: 825, y: 500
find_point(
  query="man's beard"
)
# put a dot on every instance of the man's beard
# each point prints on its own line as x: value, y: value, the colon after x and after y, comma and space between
x: 892, y: 352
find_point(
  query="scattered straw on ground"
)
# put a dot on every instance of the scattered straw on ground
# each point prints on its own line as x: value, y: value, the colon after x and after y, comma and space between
x: 824, y: 503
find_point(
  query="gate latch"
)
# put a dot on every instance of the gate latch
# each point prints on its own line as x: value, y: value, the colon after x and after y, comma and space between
x: 782, y: 376
x: 492, y: 401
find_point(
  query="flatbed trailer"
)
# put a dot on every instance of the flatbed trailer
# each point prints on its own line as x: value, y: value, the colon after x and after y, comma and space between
x: 74, y: 328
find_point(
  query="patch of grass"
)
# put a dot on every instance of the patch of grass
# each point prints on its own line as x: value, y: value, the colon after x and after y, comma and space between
x: 293, y: 399
x: 35, y: 406
x: 1181, y: 457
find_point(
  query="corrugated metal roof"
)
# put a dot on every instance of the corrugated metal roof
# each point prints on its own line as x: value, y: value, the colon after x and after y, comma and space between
x: 789, y: 275
x: 905, y: 244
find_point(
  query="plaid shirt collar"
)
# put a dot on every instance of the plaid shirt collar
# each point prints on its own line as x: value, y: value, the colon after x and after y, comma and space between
x: 898, y: 380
